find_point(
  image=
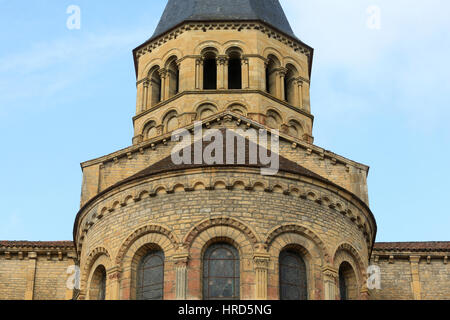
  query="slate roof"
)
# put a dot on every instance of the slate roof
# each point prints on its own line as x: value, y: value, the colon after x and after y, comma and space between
x: 179, y: 11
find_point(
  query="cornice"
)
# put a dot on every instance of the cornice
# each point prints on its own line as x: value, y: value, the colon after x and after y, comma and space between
x: 294, y: 43
x: 223, y: 91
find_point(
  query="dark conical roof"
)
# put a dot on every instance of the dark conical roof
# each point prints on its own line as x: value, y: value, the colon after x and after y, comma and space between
x: 268, y: 11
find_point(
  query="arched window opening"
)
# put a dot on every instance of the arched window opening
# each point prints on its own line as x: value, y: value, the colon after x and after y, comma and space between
x: 295, y: 129
x: 206, y: 111
x: 210, y: 71
x: 239, y: 109
x: 273, y: 120
x: 221, y: 273
x: 293, y: 279
x: 173, y: 77
x: 155, y: 86
x: 98, y: 284
x: 150, y: 277
x: 347, y: 282
x: 150, y: 130
x: 289, y: 84
x: 273, y: 65
x: 234, y: 70
x: 171, y: 122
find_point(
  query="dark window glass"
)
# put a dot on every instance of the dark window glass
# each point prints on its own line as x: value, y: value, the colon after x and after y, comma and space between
x: 234, y: 74
x: 150, y: 285
x: 221, y: 273
x: 209, y: 74
x: 102, y: 286
x: 343, y: 285
x: 293, y: 285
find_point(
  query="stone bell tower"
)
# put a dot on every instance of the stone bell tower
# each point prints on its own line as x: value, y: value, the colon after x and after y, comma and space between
x: 149, y: 229
x: 209, y: 56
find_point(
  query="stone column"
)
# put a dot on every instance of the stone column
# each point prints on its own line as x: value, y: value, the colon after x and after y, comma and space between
x: 245, y: 73
x: 415, y: 284
x: 299, y: 93
x: 145, y: 95
x: 222, y: 72
x: 199, y: 74
x: 261, y: 260
x: 113, y: 276
x: 330, y: 276
x: 281, y: 74
x: 164, y: 87
x: 181, y: 262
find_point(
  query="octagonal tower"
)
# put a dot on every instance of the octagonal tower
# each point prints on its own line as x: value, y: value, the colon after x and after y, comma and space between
x: 149, y: 229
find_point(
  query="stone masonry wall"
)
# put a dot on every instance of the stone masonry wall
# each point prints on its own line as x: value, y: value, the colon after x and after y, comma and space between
x: 35, y: 276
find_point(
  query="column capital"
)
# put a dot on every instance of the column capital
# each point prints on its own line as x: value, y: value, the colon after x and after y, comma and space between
x: 114, y: 273
x: 222, y: 60
x: 162, y: 72
x: 199, y: 61
x: 261, y: 260
x: 181, y: 259
x: 330, y: 272
x: 414, y: 259
x: 282, y: 71
x: 299, y: 81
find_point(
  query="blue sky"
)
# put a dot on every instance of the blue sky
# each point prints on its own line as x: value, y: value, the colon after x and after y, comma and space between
x: 380, y: 97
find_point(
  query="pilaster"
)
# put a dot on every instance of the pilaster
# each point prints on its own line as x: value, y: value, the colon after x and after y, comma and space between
x: 330, y: 276
x: 31, y: 274
x: 415, y: 279
x: 181, y: 262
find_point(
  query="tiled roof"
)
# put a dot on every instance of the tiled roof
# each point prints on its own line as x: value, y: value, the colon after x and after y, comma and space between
x: 37, y: 244
x: 412, y: 246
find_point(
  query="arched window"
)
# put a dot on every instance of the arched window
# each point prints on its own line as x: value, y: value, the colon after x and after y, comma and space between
x: 234, y: 69
x: 289, y: 84
x: 293, y: 281
x: 173, y: 77
x: 150, y: 277
x: 295, y: 129
x: 273, y: 120
x: 97, y: 289
x: 210, y: 70
x: 206, y: 111
x: 347, y: 282
x: 221, y: 273
x: 155, y: 86
x: 171, y: 122
x: 273, y: 64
